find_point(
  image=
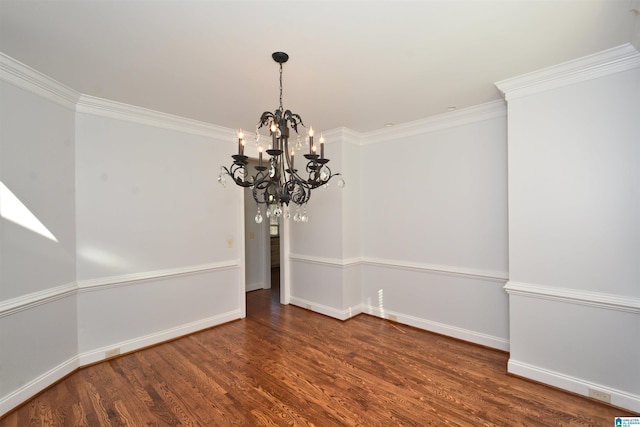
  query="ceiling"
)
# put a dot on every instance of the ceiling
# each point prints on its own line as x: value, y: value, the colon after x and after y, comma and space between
x: 357, y: 64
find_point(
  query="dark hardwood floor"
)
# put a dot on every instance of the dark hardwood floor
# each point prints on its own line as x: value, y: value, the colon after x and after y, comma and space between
x: 283, y: 365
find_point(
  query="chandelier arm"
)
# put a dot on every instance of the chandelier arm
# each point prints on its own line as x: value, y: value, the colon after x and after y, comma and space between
x: 282, y: 183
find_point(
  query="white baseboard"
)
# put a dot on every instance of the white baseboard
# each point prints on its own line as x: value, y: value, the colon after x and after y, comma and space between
x: 572, y: 384
x: 440, y: 328
x: 27, y: 391
x: 254, y: 286
x: 103, y: 353
x: 326, y: 310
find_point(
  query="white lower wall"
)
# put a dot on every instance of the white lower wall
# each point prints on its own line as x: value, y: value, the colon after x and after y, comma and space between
x: 590, y: 340
x: 144, y: 311
x: 471, y: 307
x: 39, y: 344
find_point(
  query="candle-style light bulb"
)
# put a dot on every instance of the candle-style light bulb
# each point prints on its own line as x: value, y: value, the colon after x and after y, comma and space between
x: 240, y: 136
x: 292, y: 159
x: 260, y: 155
x: 321, y: 146
x: 311, y: 149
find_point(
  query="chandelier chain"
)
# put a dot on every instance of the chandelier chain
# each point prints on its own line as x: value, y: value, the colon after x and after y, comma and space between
x: 281, y: 108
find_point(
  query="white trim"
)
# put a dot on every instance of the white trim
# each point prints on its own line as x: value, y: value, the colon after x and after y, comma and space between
x: 621, y: 58
x: 343, y: 135
x: 255, y: 286
x: 138, y: 343
x: 477, y: 113
x: 436, y: 268
x: 27, y: 391
x: 575, y: 296
x: 26, y: 302
x: 576, y: 385
x: 334, y: 262
x: 116, y: 110
x: 29, y: 79
x: 115, y: 281
x: 404, y: 265
x: 34, y: 299
x: 336, y: 313
x: 440, y: 328
x: 35, y: 386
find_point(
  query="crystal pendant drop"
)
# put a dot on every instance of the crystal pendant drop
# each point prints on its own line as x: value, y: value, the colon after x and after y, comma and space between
x: 341, y: 183
x: 287, y: 214
x: 324, y: 175
x: 258, y: 217
x: 304, y: 217
x: 268, y: 213
x: 278, y: 212
x: 298, y: 144
x: 296, y: 217
x: 222, y: 180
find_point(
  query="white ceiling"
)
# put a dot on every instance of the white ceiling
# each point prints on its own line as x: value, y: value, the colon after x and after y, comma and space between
x: 358, y: 64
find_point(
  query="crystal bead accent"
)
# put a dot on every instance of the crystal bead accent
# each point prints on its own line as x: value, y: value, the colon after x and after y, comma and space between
x: 341, y: 183
x: 258, y: 217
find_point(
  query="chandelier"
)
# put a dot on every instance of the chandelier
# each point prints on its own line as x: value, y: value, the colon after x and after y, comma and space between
x: 276, y: 182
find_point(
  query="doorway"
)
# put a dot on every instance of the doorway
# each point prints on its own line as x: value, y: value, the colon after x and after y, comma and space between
x: 262, y: 254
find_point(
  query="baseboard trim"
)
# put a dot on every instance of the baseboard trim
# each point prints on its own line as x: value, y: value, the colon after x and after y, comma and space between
x: 440, y: 328
x: 35, y: 386
x: 26, y: 392
x: 254, y: 286
x: 138, y: 343
x: 326, y: 310
x: 575, y: 385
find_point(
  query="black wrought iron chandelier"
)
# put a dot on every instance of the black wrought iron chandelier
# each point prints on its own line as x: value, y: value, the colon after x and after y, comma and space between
x: 276, y: 182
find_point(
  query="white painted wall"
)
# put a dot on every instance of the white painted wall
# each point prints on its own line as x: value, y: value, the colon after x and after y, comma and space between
x: 142, y: 227
x: 153, y: 232
x: 257, y: 241
x: 434, y: 224
x: 574, y: 225
x: 38, y: 334
x: 325, y: 270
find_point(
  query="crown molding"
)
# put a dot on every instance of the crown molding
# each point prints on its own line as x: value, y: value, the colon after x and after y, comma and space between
x: 24, y: 77
x: 343, y: 134
x: 477, y: 113
x: 621, y: 58
x: 119, y: 111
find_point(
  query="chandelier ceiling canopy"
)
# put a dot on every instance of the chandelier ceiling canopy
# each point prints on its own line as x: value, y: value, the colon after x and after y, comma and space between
x: 276, y: 181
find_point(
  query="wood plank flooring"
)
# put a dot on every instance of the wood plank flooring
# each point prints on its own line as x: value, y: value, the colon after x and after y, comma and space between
x: 285, y: 366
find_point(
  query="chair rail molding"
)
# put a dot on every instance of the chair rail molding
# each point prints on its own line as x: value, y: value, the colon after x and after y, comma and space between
x: 574, y: 296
